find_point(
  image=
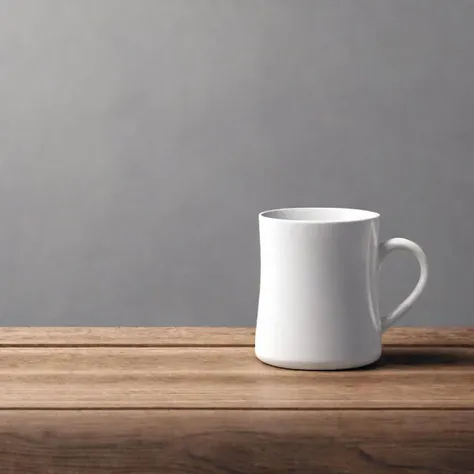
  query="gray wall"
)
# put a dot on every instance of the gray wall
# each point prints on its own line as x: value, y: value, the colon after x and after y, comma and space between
x: 139, y: 140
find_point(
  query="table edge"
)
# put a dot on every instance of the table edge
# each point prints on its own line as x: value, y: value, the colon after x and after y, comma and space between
x: 203, y: 336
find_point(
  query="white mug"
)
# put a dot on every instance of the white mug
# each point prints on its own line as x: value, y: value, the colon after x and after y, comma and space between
x: 318, y: 302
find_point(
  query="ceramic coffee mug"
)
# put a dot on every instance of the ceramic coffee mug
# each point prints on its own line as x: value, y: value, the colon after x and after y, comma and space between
x: 318, y: 302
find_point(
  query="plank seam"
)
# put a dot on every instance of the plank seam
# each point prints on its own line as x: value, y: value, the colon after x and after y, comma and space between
x: 315, y: 409
x: 135, y: 346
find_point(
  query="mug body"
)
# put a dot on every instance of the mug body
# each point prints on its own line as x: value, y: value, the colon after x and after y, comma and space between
x: 318, y: 307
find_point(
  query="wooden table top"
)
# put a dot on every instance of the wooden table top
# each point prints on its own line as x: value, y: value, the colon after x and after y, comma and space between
x: 196, y: 400
x: 215, y: 368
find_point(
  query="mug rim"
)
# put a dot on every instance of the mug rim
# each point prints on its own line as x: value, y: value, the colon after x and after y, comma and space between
x: 348, y: 215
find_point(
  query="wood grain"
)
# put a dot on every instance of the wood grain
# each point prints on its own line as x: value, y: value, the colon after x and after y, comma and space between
x: 201, y: 336
x: 126, y: 336
x: 235, y: 442
x: 228, y: 377
x: 196, y: 400
x: 406, y: 336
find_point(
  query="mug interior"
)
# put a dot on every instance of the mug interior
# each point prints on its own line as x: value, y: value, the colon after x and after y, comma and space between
x: 320, y: 214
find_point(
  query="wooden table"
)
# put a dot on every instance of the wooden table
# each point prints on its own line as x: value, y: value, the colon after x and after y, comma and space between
x: 195, y: 400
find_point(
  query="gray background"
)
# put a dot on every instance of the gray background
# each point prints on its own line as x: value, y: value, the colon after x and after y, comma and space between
x: 139, y: 140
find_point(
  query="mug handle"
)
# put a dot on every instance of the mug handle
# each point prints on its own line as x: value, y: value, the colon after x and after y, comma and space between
x: 404, y: 244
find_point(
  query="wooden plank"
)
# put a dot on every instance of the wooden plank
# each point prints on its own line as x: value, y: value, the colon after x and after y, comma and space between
x: 408, y: 336
x: 228, y: 377
x: 200, y: 336
x: 235, y: 442
x: 126, y: 336
x: 219, y: 360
